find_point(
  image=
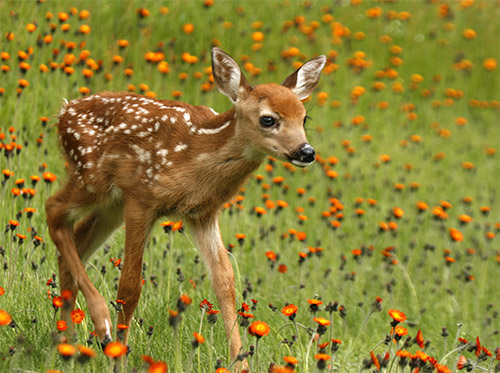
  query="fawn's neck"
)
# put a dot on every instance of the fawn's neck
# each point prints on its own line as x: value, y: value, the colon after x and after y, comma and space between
x: 214, y: 171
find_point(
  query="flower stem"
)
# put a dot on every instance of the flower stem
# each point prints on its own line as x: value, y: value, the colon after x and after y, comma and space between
x: 460, y: 348
x: 306, y: 361
x: 362, y: 329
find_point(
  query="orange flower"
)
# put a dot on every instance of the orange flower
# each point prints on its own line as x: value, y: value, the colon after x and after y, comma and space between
x: 86, y: 352
x: 290, y: 360
x: 375, y: 360
x: 77, y: 316
x: 115, y: 350
x: 84, y: 29
x: 290, y: 311
x: 322, y: 359
x: 259, y: 329
x: 419, y: 338
x: 57, y: 302
x: 397, y: 315
x: 397, y: 212
x: 198, y: 339
x: 455, y: 234
x: 184, y: 300
x: 374, y: 12
x: 490, y: 64
x: 282, y: 268
x: 271, y: 255
x: 469, y: 34
x: 260, y: 211
x: 421, y: 206
x: 462, y: 362
x: 5, y: 318
x: 322, y: 321
x: 188, y: 28
x: 66, y: 350
x: 301, y: 236
x: 49, y: 177
x: 62, y: 326
x: 258, y: 36
x: 400, y: 331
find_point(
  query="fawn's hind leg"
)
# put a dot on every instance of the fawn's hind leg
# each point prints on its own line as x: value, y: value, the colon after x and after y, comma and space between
x: 76, y: 243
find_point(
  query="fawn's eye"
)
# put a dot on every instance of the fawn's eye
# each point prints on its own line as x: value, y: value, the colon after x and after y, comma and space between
x: 305, y: 120
x: 266, y: 121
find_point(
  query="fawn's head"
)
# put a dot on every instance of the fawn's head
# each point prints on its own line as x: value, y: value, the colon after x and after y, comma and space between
x: 273, y: 115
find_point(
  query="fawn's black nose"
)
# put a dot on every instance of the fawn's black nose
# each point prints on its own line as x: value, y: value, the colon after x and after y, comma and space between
x: 303, y: 156
x: 307, y: 153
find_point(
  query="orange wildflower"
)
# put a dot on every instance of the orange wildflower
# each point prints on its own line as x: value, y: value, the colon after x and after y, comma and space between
x: 455, y: 234
x: 5, y: 318
x: 259, y: 329
x: 198, y: 338
x: 397, y: 212
x: 290, y: 311
x: 375, y: 360
x: 397, y: 315
x: 419, y: 338
x: 290, y: 360
x: 115, y: 349
x: 66, y: 350
x: 188, y: 28
x: 271, y: 255
x: 77, y: 316
x: 61, y: 325
x: 86, y: 352
x: 322, y: 321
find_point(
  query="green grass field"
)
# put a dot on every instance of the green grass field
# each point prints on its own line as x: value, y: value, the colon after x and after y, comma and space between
x: 400, y: 211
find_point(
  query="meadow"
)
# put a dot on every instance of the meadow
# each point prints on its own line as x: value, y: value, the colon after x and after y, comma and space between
x: 382, y: 256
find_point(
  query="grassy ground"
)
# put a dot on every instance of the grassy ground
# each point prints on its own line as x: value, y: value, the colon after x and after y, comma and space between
x: 405, y: 122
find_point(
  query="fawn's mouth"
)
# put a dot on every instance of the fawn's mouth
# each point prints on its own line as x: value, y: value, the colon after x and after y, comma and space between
x: 303, y: 156
x: 298, y: 162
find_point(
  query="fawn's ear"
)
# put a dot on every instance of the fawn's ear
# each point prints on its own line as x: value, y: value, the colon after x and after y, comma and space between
x: 228, y: 77
x: 303, y: 81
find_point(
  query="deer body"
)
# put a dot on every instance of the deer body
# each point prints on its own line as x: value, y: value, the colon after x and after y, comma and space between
x: 134, y: 159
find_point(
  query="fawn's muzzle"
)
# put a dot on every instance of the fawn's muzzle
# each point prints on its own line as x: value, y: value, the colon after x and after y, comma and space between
x: 303, y: 156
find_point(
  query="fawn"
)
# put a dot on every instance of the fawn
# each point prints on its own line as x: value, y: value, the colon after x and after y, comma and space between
x: 132, y: 159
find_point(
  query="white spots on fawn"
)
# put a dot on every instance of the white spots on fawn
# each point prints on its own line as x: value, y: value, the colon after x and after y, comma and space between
x: 212, y: 131
x: 142, y: 154
x: 180, y: 147
x: 162, y: 153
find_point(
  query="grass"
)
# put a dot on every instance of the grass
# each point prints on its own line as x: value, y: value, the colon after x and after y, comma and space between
x: 419, y: 145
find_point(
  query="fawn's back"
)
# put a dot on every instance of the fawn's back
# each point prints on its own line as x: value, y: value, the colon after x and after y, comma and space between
x: 124, y: 142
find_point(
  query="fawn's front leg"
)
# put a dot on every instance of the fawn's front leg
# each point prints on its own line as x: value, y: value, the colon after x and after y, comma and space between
x: 208, y: 239
x: 138, y: 223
